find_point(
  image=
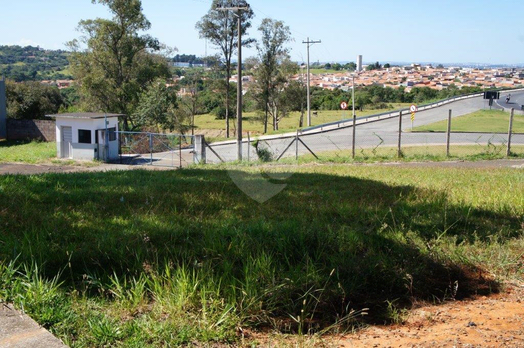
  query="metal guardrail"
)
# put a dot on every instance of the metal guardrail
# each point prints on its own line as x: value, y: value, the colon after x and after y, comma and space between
x: 395, y: 113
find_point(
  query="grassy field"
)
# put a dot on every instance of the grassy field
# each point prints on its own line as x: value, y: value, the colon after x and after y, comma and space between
x: 495, y: 121
x: 412, y: 153
x: 251, y: 122
x: 185, y: 257
x: 26, y: 152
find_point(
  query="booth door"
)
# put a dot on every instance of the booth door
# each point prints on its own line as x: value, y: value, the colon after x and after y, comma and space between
x: 67, y: 140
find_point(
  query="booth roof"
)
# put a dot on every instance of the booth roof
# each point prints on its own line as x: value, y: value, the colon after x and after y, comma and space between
x: 89, y: 115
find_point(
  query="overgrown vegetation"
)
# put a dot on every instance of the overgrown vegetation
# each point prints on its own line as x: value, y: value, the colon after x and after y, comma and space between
x: 186, y: 258
x: 26, y: 152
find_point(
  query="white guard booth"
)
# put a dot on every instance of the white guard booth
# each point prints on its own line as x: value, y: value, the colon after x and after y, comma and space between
x: 83, y: 136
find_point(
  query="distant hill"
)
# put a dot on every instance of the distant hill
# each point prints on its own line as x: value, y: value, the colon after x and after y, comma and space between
x: 33, y: 63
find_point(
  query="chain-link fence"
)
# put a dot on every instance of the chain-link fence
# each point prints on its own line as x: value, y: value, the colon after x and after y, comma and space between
x: 167, y: 150
x: 390, y: 136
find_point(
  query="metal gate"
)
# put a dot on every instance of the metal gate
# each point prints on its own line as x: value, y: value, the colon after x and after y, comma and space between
x: 156, y: 149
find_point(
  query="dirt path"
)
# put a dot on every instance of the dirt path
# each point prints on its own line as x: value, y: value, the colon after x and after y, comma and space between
x: 32, y: 169
x: 495, y: 321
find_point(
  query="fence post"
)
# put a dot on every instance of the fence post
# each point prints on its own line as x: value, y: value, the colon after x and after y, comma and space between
x: 248, y: 146
x: 353, y: 142
x: 151, y: 148
x: 296, y: 146
x: 180, y: 150
x: 400, y: 134
x: 508, y: 152
x: 448, y: 133
x: 199, y: 153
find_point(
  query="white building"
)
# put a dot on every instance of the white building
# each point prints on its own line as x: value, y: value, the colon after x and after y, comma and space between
x: 359, y: 62
x: 83, y: 136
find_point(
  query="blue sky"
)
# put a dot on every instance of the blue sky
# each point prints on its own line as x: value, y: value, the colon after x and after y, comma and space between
x: 446, y: 31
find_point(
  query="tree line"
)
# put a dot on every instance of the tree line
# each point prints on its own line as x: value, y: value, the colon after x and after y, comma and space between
x: 33, y: 63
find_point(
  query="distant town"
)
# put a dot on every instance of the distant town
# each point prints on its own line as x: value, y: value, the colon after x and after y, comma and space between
x: 410, y: 76
x: 415, y: 76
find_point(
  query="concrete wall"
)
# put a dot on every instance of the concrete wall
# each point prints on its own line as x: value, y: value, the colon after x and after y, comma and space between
x: 84, y: 151
x: 31, y: 129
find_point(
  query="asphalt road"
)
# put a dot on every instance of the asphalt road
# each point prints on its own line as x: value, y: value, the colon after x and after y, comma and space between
x: 516, y: 101
x: 384, y: 132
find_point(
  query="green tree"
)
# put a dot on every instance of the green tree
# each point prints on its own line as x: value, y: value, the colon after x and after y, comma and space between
x: 282, y: 92
x: 220, y: 28
x: 190, y: 104
x: 375, y: 66
x: 158, y: 108
x: 117, y: 64
x: 351, y: 66
x: 71, y: 99
x: 31, y: 100
x: 271, y: 54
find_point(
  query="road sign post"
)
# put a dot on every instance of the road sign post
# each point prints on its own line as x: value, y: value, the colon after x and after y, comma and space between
x: 343, y: 106
x: 413, y: 108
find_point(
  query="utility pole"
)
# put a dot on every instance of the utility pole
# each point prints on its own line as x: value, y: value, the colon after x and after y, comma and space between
x: 354, y: 116
x: 309, y: 44
x: 238, y: 11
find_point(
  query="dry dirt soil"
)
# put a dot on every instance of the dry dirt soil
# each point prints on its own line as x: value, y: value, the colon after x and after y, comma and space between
x: 484, y: 321
x: 494, y: 321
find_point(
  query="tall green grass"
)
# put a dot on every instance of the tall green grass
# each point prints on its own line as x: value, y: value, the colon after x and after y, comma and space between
x: 26, y: 152
x: 142, y: 258
x: 433, y: 153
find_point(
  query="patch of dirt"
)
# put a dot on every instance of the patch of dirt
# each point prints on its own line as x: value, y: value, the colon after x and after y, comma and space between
x: 494, y: 321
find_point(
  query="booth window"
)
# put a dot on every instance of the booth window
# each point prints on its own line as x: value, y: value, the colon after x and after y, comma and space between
x: 84, y: 136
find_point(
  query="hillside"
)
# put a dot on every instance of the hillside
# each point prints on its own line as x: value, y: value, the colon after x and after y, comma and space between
x: 33, y: 63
